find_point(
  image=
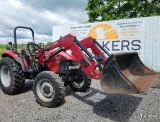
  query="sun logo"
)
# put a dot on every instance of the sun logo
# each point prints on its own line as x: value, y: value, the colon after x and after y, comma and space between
x: 103, y: 32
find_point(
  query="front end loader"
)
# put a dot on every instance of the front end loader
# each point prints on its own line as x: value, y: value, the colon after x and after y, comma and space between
x: 122, y: 73
x: 52, y: 69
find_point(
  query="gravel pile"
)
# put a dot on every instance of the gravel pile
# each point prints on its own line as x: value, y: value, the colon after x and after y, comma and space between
x: 92, y: 106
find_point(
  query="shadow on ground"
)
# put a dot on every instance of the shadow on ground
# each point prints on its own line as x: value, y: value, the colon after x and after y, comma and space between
x: 114, y: 107
x: 28, y: 86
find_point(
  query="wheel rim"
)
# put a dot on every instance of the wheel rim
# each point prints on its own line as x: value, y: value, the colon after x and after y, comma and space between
x: 45, y: 90
x: 5, y: 76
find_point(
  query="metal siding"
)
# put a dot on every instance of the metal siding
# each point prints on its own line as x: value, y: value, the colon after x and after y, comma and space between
x: 158, y: 44
x: 152, y: 42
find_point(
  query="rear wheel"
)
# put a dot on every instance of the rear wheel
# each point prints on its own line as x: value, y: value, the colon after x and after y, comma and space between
x: 48, y: 89
x: 12, y: 78
x: 83, y: 84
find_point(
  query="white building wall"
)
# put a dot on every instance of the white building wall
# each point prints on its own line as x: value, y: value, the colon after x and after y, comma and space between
x: 148, y: 34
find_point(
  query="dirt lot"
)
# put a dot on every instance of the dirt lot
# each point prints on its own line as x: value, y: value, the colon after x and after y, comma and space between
x: 93, y: 106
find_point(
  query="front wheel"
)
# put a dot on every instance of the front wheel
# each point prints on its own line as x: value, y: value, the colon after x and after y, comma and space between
x: 83, y: 83
x: 48, y: 89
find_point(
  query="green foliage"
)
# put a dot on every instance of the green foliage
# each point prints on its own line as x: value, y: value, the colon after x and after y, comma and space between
x: 2, y: 48
x: 48, y: 43
x: 19, y: 47
x: 102, y: 10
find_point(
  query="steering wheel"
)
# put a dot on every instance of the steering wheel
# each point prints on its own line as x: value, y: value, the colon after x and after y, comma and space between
x: 34, y: 47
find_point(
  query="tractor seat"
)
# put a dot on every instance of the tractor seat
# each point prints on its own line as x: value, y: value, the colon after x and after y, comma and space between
x: 25, y: 50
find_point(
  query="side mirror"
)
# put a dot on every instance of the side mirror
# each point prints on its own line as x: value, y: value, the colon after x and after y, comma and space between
x: 10, y: 44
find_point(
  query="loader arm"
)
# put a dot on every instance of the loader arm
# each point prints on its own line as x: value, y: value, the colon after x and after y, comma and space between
x: 97, y: 50
x: 82, y: 55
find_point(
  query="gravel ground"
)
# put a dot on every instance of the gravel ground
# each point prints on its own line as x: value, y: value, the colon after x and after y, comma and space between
x: 92, y: 106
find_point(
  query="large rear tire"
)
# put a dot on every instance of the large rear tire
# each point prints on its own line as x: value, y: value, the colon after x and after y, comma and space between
x: 12, y: 78
x: 83, y: 84
x: 48, y: 89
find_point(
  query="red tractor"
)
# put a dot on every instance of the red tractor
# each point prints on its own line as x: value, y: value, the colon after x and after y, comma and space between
x: 52, y: 69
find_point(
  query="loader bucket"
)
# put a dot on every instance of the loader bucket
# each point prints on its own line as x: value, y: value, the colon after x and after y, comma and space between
x: 124, y: 73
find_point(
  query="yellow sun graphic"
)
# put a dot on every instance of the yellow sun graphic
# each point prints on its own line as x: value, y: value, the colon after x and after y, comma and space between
x: 103, y: 32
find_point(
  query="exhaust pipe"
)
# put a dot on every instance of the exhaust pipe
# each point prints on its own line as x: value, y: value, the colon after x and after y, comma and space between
x: 124, y: 73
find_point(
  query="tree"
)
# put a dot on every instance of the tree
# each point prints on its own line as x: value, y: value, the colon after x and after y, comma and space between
x: 102, y: 10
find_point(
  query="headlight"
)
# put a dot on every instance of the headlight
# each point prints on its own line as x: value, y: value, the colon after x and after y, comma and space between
x: 73, y: 67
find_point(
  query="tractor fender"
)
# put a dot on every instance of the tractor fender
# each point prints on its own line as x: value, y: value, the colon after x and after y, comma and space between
x: 12, y: 54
